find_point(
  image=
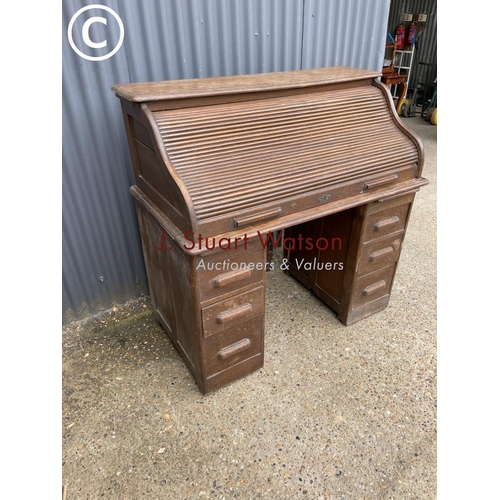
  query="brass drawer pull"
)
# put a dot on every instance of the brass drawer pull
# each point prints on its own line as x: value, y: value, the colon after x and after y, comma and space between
x: 233, y: 349
x: 369, y: 290
x: 380, y: 254
x: 232, y: 314
x: 380, y: 182
x: 231, y: 277
x: 385, y: 223
x: 252, y: 219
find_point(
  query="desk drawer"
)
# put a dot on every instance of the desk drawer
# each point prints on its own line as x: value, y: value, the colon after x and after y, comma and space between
x: 373, y: 286
x: 233, y: 346
x: 380, y: 253
x: 384, y: 223
x: 275, y: 206
x: 228, y: 313
x: 226, y: 271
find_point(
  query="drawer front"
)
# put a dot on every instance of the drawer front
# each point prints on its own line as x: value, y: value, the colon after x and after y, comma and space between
x: 372, y: 286
x: 380, y: 253
x: 231, y: 312
x: 342, y: 188
x: 226, y: 271
x: 384, y: 223
x: 234, y: 346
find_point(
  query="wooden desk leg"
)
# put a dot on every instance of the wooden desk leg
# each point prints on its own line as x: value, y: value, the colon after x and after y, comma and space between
x: 210, y: 305
x: 232, y: 309
x: 376, y: 241
x: 173, y: 289
x: 371, y: 237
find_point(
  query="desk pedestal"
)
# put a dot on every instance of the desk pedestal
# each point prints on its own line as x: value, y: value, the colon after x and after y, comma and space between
x: 353, y: 262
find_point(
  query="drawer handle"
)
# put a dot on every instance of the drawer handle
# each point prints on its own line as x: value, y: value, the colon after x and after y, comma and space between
x: 230, y: 277
x: 252, y: 219
x: 380, y: 254
x: 385, y: 223
x: 233, y: 349
x: 380, y: 182
x: 232, y: 314
x: 370, y: 290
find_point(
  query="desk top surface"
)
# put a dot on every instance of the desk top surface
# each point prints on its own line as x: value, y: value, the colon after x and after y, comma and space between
x: 239, y: 84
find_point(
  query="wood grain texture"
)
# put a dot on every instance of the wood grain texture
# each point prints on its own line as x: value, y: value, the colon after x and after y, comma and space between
x: 239, y: 84
x: 239, y: 156
x: 320, y: 152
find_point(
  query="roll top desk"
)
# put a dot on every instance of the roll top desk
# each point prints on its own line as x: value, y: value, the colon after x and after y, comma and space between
x: 317, y: 159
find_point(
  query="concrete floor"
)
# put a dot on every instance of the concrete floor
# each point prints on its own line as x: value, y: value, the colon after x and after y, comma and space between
x: 337, y: 412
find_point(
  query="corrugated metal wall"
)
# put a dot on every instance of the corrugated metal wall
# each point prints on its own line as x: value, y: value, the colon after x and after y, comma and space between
x: 344, y: 33
x: 427, y: 40
x: 164, y: 40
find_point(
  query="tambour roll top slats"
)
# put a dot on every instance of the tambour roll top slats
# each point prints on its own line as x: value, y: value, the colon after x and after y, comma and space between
x: 217, y: 155
x: 242, y: 155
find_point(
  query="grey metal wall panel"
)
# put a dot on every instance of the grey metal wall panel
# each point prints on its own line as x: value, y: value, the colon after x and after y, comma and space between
x: 179, y: 39
x: 163, y: 40
x: 102, y: 258
x: 427, y: 40
x: 345, y: 33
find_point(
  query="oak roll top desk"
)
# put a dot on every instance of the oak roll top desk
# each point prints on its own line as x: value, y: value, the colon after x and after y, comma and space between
x: 222, y: 164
